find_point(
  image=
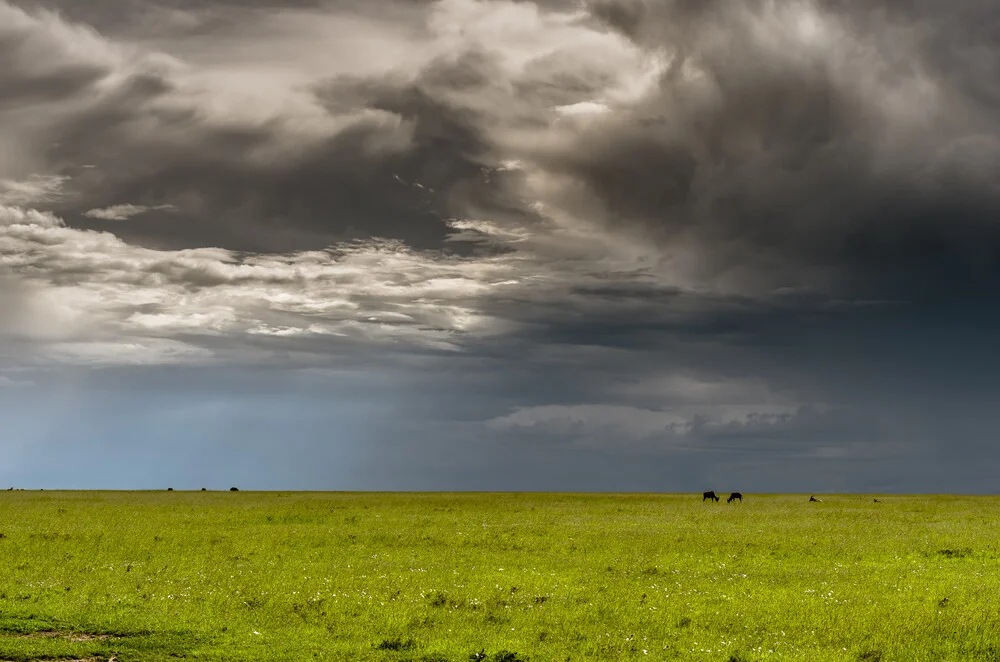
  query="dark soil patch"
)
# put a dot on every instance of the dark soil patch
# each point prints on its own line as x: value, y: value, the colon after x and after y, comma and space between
x: 75, y: 637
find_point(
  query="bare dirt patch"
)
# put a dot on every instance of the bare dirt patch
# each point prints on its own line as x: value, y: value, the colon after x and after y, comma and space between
x: 75, y: 637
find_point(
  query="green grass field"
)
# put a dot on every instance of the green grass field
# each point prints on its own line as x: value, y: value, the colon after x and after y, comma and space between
x: 496, y: 577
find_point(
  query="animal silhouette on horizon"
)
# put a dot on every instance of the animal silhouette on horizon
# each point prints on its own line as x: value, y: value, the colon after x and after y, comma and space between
x: 709, y: 495
x: 734, y: 497
x: 812, y: 498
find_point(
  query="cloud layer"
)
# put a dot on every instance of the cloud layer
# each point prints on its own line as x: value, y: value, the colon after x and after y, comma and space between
x: 730, y: 236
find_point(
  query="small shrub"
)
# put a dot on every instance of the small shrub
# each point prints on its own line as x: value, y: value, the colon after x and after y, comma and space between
x: 507, y: 656
x: 438, y: 599
x: 956, y: 553
x: 499, y: 656
x: 396, y: 644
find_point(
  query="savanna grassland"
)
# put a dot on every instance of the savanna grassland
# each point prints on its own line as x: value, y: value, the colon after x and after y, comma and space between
x: 496, y: 577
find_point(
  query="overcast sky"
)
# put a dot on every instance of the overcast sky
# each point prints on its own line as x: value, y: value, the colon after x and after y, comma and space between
x: 614, y: 245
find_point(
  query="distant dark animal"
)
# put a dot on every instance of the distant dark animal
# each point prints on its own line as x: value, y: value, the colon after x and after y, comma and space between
x: 203, y: 489
x: 734, y: 496
x: 10, y: 489
x: 812, y: 498
x: 708, y: 495
x: 877, y: 501
x: 234, y: 489
x: 170, y: 489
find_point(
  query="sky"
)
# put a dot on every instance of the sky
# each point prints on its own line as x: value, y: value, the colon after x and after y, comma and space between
x: 593, y: 245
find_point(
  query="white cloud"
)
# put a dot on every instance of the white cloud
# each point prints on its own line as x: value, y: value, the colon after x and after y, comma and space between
x: 605, y: 425
x: 36, y: 189
x: 582, y: 108
x: 124, y: 212
x: 18, y: 216
x: 691, y: 390
x: 595, y: 420
x: 96, y: 298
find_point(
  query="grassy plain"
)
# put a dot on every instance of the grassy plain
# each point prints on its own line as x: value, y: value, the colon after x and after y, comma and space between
x: 146, y: 576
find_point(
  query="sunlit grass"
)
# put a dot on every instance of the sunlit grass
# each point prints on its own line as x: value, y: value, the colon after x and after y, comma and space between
x: 265, y: 576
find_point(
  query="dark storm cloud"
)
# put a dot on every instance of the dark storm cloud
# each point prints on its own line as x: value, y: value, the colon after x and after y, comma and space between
x: 339, y: 189
x: 784, y: 139
x: 399, y: 168
x: 406, y: 164
x: 808, y: 137
x: 408, y: 152
x: 334, y: 188
x: 399, y: 153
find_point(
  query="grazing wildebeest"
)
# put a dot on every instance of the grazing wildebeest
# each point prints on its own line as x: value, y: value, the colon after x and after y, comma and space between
x: 234, y: 489
x: 170, y: 489
x: 812, y: 498
x: 709, y: 495
x: 734, y: 496
x: 204, y: 489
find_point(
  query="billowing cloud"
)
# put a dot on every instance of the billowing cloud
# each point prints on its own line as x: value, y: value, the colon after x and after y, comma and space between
x: 380, y: 292
x: 799, y: 144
